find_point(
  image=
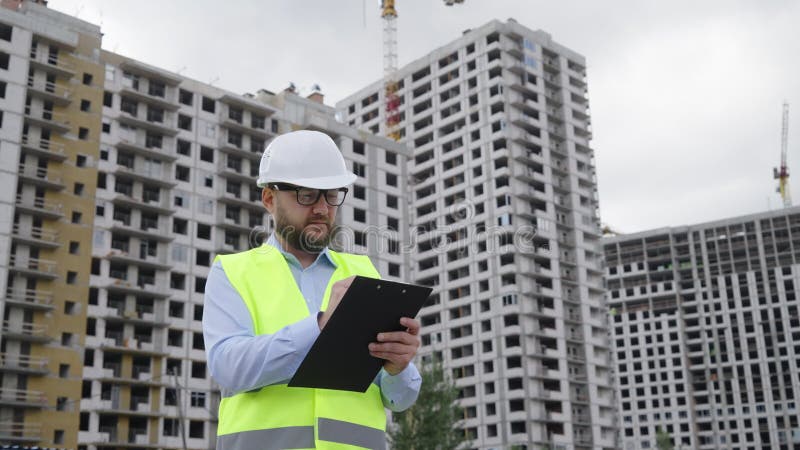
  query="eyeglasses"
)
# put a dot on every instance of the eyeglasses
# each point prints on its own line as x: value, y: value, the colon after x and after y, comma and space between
x: 309, y: 196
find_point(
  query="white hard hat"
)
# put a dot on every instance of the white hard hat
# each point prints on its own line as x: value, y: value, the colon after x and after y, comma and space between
x: 304, y: 158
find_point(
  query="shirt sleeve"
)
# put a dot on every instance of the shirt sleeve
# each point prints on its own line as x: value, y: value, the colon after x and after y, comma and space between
x: 238, y: 359
x: 400, y: 391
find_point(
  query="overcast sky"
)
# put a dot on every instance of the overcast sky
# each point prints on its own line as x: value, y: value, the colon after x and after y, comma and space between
x: 685, y: 96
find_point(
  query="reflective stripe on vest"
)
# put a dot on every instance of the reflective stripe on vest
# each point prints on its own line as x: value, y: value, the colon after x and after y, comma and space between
x: 277, y: 416
x: 303, y: 437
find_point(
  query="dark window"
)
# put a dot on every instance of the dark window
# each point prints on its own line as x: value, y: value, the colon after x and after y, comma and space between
x: 184, y: 147
x: 6, y: 32
x: 208, y: 104
x: 358, y: 147
x: 85, y: 105
x: 207, y: 154
x: 2, y: 89
x: 83, y: 133
x: 185, y: 97
x: 391, y: 158
x: 179, y: 226
x: 203, y: 231
x: 87, y: 79
x: 182, y: 172
x: 4, y: 59
x: 184, y: 122
x: 108, y: 99
x: 359, y: 215
x: 359, y: 192
x: 196, y: 429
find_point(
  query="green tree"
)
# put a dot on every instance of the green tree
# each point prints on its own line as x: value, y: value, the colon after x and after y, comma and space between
x: 663, y: 440
x: 432, y: 422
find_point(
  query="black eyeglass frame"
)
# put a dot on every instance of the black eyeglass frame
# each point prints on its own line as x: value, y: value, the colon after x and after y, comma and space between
x: 285, y: 187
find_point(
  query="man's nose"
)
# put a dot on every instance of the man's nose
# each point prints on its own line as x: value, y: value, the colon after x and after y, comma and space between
x: 321, y: 206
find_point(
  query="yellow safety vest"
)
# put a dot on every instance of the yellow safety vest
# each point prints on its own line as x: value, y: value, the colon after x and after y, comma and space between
x: 279, y: 417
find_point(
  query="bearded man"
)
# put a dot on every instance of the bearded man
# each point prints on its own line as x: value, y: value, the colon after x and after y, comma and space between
x: 265, y: 307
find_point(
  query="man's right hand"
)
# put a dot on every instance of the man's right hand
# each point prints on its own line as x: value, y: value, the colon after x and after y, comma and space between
x: 337, y: 292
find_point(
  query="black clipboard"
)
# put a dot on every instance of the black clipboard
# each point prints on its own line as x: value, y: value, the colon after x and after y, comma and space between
x: 339, y: 358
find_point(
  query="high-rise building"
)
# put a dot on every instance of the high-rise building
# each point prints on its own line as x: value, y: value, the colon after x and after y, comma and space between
x: 706, y: 330
x: 50, y: 100
x: 122, y: 182
x: 503, y: 208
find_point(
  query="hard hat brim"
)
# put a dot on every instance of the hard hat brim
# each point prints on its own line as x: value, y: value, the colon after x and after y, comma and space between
x: 333, y: 182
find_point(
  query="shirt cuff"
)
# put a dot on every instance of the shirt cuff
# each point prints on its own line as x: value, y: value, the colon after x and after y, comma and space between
x: 302, y: 336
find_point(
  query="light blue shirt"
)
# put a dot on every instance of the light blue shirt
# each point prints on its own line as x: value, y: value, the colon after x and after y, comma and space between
x: 241, y: 361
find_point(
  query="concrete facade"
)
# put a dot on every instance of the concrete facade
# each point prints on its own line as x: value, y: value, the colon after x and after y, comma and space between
x: 51, y: 84
x: 503, y: 208
x: 706, y: 331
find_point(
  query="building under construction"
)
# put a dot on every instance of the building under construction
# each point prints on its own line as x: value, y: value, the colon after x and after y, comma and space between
x: 122, y: 181
x: 503, y: 203
x: 707, y: 333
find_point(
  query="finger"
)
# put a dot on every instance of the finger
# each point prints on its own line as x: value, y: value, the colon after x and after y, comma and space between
x: 391, y: 357
x: 398, y: 336
x: 412, y: 325
x: 393, y: 348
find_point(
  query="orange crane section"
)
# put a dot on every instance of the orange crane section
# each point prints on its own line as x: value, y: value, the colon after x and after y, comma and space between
x: 782, y: 175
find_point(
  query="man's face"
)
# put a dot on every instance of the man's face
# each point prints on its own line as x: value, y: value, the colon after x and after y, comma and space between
x: 305, y: 228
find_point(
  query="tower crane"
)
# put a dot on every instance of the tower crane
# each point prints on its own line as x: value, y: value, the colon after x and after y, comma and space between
x: 782, y: 174
x: 391, y: 86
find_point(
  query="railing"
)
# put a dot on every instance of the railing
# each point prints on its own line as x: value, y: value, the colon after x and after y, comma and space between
x: 20, y: 431
x: 44, y: 144
x: 45, y: 58
x: 53, y: 176
x: 23, y: 396
x: 32, y: 296
x: 28, y: 329
x: 35, y: 233
x: 10, y: 360
x: 50, y: 116
x: 40, y: 265
x: 39, y: 203
x: 49, y: 87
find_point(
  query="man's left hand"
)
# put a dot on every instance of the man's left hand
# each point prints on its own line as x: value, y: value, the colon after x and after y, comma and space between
x: 398, y: 348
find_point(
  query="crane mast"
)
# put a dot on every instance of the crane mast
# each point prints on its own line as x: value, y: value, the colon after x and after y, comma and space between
x: 389, y: 15
x: 391, y: 84
x: 782, y: 174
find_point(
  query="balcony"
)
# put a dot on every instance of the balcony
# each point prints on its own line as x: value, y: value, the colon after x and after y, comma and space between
x: 35, y: 236
x: 25, y: 364
x: 137, y: 317
x: 230, y: 168
x: 239, y: 197
x: 30, y: 298
x: 44, y: 147
x: 236, y: 146
x: 167, y: 124
x: 164, y: 151
x: 148, y: 172
x: 22, y: 398
x: 238, y: 124
x: 142, y: 259
x: 144, y: 287
x: 52, y: 64
x: 160, y: 204
x: 49, y: 91
x: 57, y: 122
x: 40, y: 176
x: 33, y: 267
x: 20, y: 432
x: 159, y: 231
x: 23, y: 331
x: 133, y: 346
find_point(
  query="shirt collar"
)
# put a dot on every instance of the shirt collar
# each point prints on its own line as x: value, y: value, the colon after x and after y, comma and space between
x: 324, y: 255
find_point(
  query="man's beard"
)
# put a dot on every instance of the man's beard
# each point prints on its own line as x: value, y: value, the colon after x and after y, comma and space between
x: 297, y: 236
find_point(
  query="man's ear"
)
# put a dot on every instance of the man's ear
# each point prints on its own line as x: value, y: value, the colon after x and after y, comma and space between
x: 268, y: 199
